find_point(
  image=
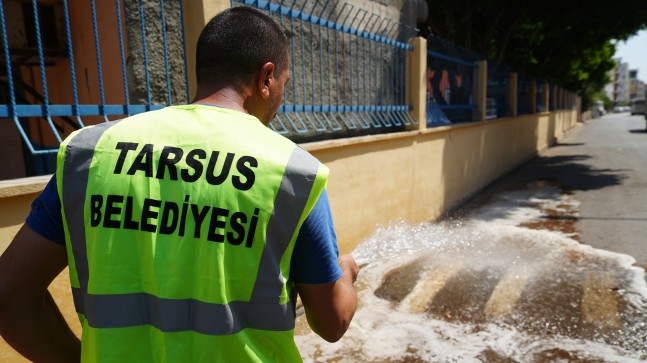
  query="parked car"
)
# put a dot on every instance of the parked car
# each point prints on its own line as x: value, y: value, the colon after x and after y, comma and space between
x: 598, y: 109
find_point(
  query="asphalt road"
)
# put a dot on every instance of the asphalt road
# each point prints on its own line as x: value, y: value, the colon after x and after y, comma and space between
x: 603, y: 165
x: 613, y: 210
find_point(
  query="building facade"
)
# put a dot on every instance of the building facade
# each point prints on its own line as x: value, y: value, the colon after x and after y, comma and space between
x: 621, y: 83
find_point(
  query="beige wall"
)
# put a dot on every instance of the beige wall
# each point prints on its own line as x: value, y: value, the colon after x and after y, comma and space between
x: 15, y: 201
x: 417, y: 175
x: 412, y: 175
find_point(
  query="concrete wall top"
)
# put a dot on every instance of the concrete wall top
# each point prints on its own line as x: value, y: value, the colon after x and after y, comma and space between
x: 23, y: 186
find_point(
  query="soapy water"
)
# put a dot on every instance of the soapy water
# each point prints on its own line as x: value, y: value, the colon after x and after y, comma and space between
x: 489, y: 289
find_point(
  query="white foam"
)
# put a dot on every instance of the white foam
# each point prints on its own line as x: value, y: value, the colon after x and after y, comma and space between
x: 383, y: 331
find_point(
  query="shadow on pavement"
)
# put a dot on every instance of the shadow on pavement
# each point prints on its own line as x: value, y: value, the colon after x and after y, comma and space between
x: 578, y: 218
x: 569, y: 173
x: 638, y: 131
x: 568, y: 144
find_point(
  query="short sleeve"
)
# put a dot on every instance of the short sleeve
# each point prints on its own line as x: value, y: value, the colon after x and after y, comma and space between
x: 314, y: 260
x: 45, y: 216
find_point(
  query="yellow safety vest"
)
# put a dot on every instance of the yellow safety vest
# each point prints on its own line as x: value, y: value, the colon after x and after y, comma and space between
x: 180, y: 226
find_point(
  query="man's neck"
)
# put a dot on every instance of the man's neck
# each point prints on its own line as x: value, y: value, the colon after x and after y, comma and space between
x: 225, y: 98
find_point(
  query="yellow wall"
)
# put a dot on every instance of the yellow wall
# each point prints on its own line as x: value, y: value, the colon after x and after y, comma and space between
x: 417, y: 175
x: 412, y: 175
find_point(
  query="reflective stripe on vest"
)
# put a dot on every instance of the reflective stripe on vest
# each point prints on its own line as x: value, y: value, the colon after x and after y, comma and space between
x: 172, y: 315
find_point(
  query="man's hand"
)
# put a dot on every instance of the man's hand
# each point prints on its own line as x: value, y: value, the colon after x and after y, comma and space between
x: 347, y: 263
x: 330, y: 307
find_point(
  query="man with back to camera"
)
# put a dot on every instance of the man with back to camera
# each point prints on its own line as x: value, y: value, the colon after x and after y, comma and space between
x: 188, y: 230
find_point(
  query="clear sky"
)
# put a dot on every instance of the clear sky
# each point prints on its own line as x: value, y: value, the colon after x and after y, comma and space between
x: 634, y: 52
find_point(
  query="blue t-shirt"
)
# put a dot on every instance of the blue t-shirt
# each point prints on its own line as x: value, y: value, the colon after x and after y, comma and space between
x: 314, y: 260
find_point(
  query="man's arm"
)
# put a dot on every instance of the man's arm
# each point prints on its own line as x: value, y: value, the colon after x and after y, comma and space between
x: 30, y: 321
x: 330, y: 307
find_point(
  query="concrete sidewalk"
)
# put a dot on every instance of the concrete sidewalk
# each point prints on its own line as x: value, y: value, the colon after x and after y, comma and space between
x: 602, y: 165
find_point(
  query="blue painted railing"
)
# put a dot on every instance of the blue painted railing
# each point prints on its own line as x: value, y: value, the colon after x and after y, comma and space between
x: 45, y: 112
x: 450, y: 80
x: 540, y: 99
x: 450, y: 73
x: 498, y: 75
x: 349, y: 69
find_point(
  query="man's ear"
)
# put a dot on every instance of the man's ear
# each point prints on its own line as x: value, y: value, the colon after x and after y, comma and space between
x: 265, y: 79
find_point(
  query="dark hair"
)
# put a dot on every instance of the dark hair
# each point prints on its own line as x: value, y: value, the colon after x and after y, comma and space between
x: 236, y: 43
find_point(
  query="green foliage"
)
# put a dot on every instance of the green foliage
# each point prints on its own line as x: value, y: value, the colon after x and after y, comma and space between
x: 566, y: 42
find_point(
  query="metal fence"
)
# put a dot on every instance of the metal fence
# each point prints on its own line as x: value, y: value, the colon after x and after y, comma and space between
x: 523, y: 93
x: 70, y: 64
x: 451, y: 88
x: 349, y: 70
x: 450, y: 82
x: 498, y: 77
x: 540, y: 96
x: 60, y: 73
x: 116, y: 58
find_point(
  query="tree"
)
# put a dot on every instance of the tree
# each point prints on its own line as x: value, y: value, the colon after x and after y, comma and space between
x: 570, y: 43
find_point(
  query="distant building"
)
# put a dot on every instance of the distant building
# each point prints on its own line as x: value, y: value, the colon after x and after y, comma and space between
x: 622, y: 83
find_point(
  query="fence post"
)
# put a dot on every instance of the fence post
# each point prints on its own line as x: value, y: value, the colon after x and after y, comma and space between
x: 546, y: 97
x: 564, y: 98
x: 197, y: 14
x: 513, y: 89
x: 480, y: 91
x: 554, y: 98
x: 533, y: 96
x: 417, y: 82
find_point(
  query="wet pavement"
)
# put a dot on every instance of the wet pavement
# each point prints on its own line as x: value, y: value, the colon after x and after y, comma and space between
x: 603, y: 166
x: 544, y: 265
